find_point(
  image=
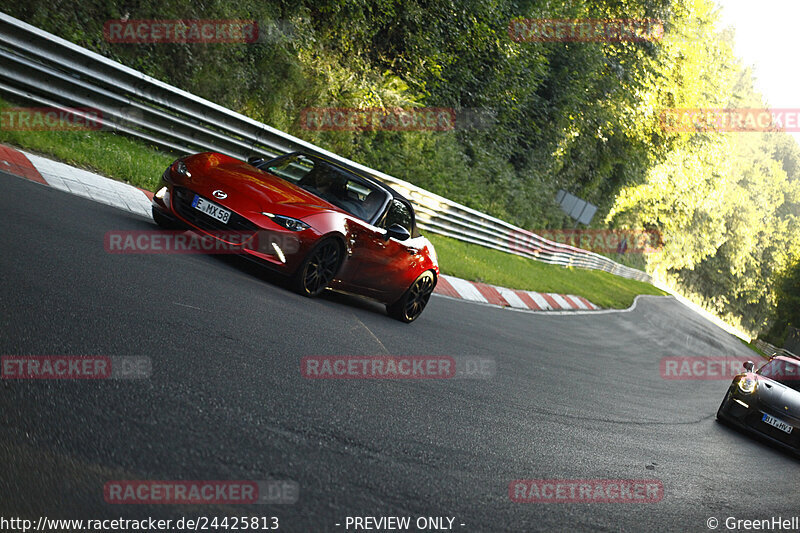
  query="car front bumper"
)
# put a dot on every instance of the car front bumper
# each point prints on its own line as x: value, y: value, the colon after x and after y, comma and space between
x: 747, y: 412
x: 274, y: 246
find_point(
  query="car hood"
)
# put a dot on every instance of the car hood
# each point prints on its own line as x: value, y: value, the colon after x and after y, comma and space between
x: 246, y: 186
x: 780, y: 397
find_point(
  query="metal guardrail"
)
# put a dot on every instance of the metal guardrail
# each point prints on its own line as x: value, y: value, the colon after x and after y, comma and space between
x: 772, y: 351
x: 47, y: 70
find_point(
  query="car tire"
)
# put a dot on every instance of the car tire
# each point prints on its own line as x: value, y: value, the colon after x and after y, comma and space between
x: 318, y: 268
x: 412, y: 303
x: 163, y: 220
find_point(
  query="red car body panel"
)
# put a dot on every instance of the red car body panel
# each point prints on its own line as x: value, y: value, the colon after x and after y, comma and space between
x: 374, y: 266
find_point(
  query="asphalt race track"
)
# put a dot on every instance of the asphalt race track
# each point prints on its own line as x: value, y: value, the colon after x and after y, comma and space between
x: 574, y: 397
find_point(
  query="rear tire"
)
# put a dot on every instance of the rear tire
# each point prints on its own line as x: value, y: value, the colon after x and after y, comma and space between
x: 318, y: 268
x: 412, y: 303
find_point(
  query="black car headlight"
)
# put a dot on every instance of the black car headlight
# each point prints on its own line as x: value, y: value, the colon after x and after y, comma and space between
x: 179, y: 168
x: 746, y: 384
x: 289, y: 223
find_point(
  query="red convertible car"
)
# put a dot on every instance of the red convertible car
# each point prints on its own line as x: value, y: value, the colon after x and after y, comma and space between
x: 322, y: 224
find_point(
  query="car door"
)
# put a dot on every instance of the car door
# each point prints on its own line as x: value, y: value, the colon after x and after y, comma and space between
x: 385, y: 266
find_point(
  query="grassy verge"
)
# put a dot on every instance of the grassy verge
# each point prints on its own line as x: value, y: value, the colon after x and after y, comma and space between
x: 473, y: 262
x: 755, y: 348
x: 135, y: 162
x: 103, y: 152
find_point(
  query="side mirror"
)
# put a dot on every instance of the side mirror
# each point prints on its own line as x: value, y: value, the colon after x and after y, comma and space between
x: 255, y: 160
x: 749, y: 366
x: 398, y: 232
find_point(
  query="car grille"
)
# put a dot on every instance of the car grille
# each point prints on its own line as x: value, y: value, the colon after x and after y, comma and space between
x: 182, y: 203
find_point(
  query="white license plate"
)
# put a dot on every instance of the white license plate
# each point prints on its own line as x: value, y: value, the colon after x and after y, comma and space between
x: 211, y: 209
x: 780, y: 424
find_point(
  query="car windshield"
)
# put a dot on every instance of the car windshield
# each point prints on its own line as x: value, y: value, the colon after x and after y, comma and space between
x: 782, y: 371
x: 335, y: 186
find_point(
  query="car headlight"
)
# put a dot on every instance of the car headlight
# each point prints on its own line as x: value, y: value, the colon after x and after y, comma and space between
x: 747, y: 384
x: 289, y: 223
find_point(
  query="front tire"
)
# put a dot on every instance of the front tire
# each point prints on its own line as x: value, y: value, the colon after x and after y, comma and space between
x: 318, y: 268
x: 412, y: 303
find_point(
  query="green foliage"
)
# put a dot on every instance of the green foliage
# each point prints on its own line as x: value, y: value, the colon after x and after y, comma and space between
x: 788, y: 304
x: 726, y: 204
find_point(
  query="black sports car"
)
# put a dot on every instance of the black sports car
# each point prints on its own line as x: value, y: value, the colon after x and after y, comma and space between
x: 766, y: 401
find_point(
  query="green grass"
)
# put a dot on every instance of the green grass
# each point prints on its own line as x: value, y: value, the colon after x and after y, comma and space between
x: 754, y: 348
x: 473, y: 262
x: 103, y: 152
